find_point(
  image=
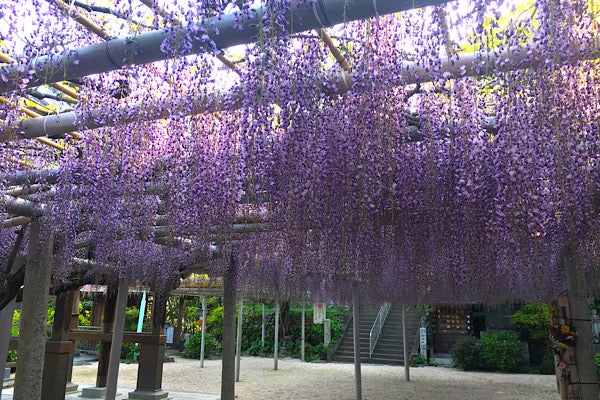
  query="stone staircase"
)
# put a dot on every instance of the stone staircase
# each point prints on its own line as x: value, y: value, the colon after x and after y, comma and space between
x: 389, y: 348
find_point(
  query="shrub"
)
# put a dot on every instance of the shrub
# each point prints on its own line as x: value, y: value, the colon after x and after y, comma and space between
x: 501, y: 350
x: 192, y: 347
x: 466, y: 354
x: 532, y: 320
x: 127, y: 351
x: 547, y: 364
x: 597, y: 359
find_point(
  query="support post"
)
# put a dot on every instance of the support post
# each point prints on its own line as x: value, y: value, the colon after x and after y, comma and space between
x: 228, y: 352
x: 6, y: 319
x: 405, y: 346
x: 179, y: 327
x: 108, y: 326
x: 303, y: 329
x: 151, y: 359
x: 276, y: 342
x: 262, y: 333
x: 58, y: 365
x: 238, y: 348
x: 203, y: 332
x: 32, y: 335
x: 356, y: 337
x: 585, y: 375
x: 117, y: 341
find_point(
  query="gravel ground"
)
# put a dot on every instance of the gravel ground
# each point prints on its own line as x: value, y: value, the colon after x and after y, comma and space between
x: 297, y: 380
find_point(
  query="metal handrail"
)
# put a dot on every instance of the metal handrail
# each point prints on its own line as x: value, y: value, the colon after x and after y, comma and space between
x: 377, y: 326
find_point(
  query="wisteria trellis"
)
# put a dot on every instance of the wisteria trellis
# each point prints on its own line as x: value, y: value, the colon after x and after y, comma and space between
x: 464, y: 214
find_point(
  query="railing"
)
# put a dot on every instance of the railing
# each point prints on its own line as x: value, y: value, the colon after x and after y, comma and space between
x: 377, y: 325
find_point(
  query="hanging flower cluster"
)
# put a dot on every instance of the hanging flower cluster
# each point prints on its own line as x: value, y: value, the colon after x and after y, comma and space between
x: 421, y: 182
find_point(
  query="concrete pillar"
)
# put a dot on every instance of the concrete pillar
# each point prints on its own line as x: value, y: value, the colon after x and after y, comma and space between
x: 6, y: 318
x: 32, y: 335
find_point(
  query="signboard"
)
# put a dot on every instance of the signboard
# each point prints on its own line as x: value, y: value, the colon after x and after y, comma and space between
x: 319, y: 313
x: 423, y: 341
x: 170, y: 331
x: 327, y: 331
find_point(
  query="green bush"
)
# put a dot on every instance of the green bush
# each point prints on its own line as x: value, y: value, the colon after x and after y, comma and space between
x: 501, y: 350
x: 547, y: 364
x: 466, y: 354
x: 532, y: 320
x: 193, y: 348
x: 597, y: 359
x: 128, y: 352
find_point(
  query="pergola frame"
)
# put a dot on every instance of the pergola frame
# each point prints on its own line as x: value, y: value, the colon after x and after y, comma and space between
x: 145, y: 48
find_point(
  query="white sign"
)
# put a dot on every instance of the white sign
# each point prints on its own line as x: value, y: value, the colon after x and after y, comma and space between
x: 319, y: 313
x: 170, y: 331
x: 327, y: 331
x: 423, y: 341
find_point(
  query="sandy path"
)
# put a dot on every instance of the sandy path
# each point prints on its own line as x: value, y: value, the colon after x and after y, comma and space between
x: 297, y: 380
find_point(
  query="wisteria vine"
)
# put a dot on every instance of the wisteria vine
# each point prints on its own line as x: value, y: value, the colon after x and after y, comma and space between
x: 333, y: 186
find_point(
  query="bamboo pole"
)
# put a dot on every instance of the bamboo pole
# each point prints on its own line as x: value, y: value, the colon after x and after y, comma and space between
x: 79, y: 17
x: 164, y: 13
x: 467, y: 65
x: 337, y: 54
x: 60, y: 87
x: 146, y: 48
x: 33, y: 114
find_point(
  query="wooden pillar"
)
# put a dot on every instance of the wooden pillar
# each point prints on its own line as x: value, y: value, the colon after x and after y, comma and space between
x: 356, y: 337
x: 32, y: 335
x: 117, y: 341
x: 228, y: 351
x: 151, y: 359
x: 58, y: 365
x: 583, y: 375
x: 108, y: 324
x: 178, y: 329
